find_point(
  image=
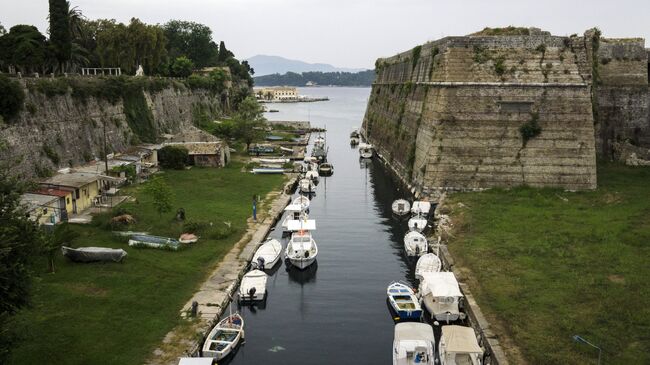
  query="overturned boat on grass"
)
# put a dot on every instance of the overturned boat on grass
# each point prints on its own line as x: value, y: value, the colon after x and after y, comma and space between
x: 93, y: 254
x: 164, y: 243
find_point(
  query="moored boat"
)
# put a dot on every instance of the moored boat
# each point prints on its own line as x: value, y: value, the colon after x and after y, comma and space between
x: 414, y: 343
x: 294, y: 212
x: 301, y: 250
x: 303, y: 201
x: 421, y: 208
x: 91, y: 254
x: 401, y: 207
x: 306, y: 186
x: 415, y: 244
x: 268, y: 170
x: 403, y: 301
x: 417, y: 223
x: 366, y: 150
x: 458, y: 346
x: 429, y: 262
x: 267, y: 255
x: 441, y: 295
x: 224, y: 337
x: 325, y: 169
x: 253, y: 286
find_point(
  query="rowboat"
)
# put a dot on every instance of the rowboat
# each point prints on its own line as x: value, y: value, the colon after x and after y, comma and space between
x: 154, y: 242
x: 91, y: 254
x: 401, y: 207
x: 403, y: 301
x: 224, y: 337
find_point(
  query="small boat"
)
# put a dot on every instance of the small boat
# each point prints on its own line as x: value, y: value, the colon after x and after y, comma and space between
x: 188, y: 238
x: 253, y: 286
x: 325, y: 169
x: 415, y: 244
x: 279, y: 161
x: 319, y: 141
x: 294, y: 212
x: 320, y: 153
x: 354, y: 133
x: 285, y: 149
x: 365, y: 150
x: 273, y: 111
x: 441, y: 295
x: 403, y: 301
x: 306, y: 186
x: 354, y: 141
x: 301, y: 249
x: 414, y: 343
x: 224, y: 337
x: 458, y: 346
x: 274, y: 138
x: 310, y: 159
x: 303, y: 201
x: 421, y: 208
x: 268, y: 170
x: 268, y: 254
x: 429, y: 262
x: 401, y: 207
x: 312, y: 175
x: 417, y: 223
x: 91, y: 254
x: 154, y: 241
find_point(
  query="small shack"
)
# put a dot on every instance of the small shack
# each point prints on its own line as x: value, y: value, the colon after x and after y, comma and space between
x: 83, y: 186
x: 203, y: 148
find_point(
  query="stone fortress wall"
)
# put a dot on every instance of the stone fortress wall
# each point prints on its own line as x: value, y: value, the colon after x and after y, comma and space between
x: 448, y: 114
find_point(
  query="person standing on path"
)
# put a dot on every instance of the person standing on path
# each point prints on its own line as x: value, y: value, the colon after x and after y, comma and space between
x: 254, y: 208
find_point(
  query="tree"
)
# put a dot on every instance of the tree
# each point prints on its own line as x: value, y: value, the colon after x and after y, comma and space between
x: 224, y: 53
x: 182, y: 67
x: 60, y: 35
x: 192, y: 40
x: 3, y: 31
x: 24, y: 47
x: 52, y: 242
x: 19, y: 242
x: 249, y: 121
x: 161, y: 194
x: 173, y: 157
x: 11, y: 98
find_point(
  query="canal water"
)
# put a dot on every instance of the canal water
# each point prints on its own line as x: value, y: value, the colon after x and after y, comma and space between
x: 335, y: 312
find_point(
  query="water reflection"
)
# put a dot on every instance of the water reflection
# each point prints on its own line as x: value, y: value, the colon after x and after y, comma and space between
x: 302, y: 277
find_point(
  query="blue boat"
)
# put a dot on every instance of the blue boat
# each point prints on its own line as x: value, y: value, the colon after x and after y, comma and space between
x: 403, y: 301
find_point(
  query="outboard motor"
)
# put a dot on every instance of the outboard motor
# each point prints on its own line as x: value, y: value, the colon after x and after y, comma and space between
x: 260, y: 263
x: 251, y: 293
x: 306, y: 254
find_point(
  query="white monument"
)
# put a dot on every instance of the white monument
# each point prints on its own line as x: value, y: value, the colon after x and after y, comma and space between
x: 139, y: 71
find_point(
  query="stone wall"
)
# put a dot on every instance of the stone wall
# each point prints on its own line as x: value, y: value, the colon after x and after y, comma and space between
x: 52, y: 132
x: 447, y: 115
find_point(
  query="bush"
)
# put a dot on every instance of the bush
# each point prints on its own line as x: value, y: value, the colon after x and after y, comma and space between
x: 11, y: 98
x: 530, y: 129
x: 182, y: 67
x: 173, y: 157
x: 195, y: 226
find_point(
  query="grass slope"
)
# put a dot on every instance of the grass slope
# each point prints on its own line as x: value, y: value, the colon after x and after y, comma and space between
x: 118, y: 313
x: 548, y: 268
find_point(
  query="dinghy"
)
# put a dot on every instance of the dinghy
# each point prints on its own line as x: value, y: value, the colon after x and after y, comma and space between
x: 301, y: 249
x: 441, y: 295
x: 267, y: 255
x: 403, y: 301
x: 401, y: 207
x: 312, y: 175
x: 303, y: 201
x: 91, y: 254
x: 414, y: 343
x: 365, y: 150
x: 417, y: 223
x: 458, y: 346
x: 427, y: 263
x: 224, y: 337
x: 354, y: 141
x: 277, y: 161
x: 155, y: 242
x: 421, y: 208
x: 306, y: 186
x: 325, y: 169
x: 253, y: 286
x: 415, y: 244
x: 268, y: 170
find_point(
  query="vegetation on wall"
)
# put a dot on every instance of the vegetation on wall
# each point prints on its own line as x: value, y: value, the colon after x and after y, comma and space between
x: 530, y: 129
x: 415, y: 56
x: 510, y: 30
x: 138, y: 115
x: 11, y: 98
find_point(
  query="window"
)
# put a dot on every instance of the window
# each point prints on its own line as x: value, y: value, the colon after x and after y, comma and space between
x: 515, y: 106
x: 67, y: 200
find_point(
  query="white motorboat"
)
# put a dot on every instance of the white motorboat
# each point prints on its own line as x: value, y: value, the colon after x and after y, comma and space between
x: 441, y: 295
x: 401, y: 207
x: 303, y: 201
x: 319, y: 141
x: 276, y: 161
x: 310, y: 159
x: 458, y: 346
x: 421, y: 208
x: 414, y: 343
x: 268, y: 254
x: 403, y: 301
x: 429, y: 262
x: 224, y: 337
x: 354, y: 141
x: 417, y: 223
x: 325, y: 169
x: 306, y: 186
x: 415, y: 244
x: 301, y: 249
x: 294, y: 212
x: 366, y: 150
x: 253, y: 286
x: 312, y: 175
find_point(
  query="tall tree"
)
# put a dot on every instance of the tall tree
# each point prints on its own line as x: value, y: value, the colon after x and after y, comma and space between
x: 19, y: 242
x: 60, y: 35
x: 249, y: 121
x: 161, y: 194
x: 192, y: 40
x: 24, y: 47
x: 3, y: 31
x: 224, y: 53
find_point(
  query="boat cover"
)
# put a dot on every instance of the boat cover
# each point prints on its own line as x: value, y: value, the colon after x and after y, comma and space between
x: 421, y: 207
x: 460, y: 339
x: 90, y: 254
x: 406, y: 331
x: 305, y: 225
x: 293, y: 208
x: 195, y: 361
x: 441, y: 284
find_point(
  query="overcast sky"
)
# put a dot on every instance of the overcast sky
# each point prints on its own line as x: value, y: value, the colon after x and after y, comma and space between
x: 352, y: 33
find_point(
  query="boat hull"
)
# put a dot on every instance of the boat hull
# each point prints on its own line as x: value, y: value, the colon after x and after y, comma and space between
x: 302, y: 263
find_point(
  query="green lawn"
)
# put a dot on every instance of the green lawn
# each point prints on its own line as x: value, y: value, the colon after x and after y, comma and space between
x: 549, y: 268
x: 118, y: 313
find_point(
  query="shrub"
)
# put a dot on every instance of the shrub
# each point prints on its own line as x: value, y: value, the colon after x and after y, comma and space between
x: 415, y: 56
x: 541, y: 48
x: 182, y: 67
x: 499, y: 66
x: 195, y: 226
x: 51, y: 154
x: 173, y: 157
x: 530, y: 129
x: 11, y: 98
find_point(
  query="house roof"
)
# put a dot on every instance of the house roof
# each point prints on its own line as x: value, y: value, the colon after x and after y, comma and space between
x: 194, y: 134
x: 52, y: 192
x: 99, y: 167
x: 199, y: 148
x: 73, y: 179
x: 34, y: 201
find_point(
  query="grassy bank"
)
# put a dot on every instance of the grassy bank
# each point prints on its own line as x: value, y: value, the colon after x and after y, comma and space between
x: 549, y: 264
x: 118, y: 313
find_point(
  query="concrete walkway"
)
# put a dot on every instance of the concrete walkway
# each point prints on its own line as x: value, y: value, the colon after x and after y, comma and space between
x: 214, y: 294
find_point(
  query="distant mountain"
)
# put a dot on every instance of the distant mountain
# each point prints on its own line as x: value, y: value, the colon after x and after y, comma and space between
x: 362, y: 78
x: 267, y: 65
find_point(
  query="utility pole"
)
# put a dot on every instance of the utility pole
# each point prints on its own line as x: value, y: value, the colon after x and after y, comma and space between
x: 105, y: 150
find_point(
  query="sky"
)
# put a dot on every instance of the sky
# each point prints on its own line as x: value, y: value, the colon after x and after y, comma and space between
x: 352, y: 33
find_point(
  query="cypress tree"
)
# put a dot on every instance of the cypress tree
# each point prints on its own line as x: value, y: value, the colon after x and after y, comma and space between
x: 60, y: 36
x: 223, y: 52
